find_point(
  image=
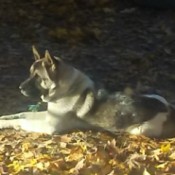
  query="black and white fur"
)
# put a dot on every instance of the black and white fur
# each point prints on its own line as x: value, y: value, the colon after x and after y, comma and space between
x: 75, y: 103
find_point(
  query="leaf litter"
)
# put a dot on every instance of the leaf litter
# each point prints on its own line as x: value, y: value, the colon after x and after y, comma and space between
x: 84, y: 153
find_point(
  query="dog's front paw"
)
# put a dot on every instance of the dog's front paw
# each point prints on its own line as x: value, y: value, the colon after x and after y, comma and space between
x: 6, y: 117
x: 12, y: 116
x: 11, y: 121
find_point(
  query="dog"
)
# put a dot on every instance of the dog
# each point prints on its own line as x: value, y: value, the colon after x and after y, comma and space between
x: 74, y: 102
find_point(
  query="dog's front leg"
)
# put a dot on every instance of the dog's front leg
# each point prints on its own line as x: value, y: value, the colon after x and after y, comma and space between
x: 12, y: 120
x: 28, y: 121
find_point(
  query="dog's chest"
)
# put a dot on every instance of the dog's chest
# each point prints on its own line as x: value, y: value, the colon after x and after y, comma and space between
x: 63, y: 106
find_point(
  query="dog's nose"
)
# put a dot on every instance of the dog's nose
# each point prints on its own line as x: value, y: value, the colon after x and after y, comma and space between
x: 21, y: 86
x: 24, y: 84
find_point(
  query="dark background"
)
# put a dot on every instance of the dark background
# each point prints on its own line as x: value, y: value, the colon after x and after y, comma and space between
x: 117, y: 43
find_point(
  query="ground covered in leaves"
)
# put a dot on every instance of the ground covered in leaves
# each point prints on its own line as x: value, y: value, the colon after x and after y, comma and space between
x: 85, y: 153
x: 118, y: 44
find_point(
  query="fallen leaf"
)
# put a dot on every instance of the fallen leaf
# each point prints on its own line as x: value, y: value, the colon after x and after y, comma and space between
x: 145, y: 172
x: 165, y: 148
x: 162, y: 165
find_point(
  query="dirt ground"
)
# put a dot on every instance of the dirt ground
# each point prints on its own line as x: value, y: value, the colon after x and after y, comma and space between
x: 117, y: 43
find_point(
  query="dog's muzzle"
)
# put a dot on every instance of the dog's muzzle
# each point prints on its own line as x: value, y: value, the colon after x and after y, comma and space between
x: 28, y: 88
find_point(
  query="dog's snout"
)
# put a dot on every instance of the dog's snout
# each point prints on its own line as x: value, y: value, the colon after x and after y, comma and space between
x: 20, y: 87
x: 29, y: 88
x: 25, y: 84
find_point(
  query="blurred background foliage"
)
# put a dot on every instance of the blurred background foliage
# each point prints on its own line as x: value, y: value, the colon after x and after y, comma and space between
x: 70, y: 20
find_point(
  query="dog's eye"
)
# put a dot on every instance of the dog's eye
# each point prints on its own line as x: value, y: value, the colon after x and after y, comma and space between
x: 45, y: 79
x: 45, y: 83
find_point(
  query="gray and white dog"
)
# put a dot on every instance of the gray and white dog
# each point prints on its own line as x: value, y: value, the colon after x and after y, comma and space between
x: 75, y: 103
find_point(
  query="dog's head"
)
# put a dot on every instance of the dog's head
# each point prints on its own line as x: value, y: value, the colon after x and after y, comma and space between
x: 51, y: 79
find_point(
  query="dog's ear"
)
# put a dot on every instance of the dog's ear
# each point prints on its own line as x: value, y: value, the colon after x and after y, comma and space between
x: 35, y: 53
x: 57, y: 58
x: 51, y: 61
x: 48, y: 57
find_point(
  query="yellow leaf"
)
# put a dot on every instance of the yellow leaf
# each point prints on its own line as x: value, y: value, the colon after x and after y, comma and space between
x: 42, y: 165
x: 165, y: 148
x: 25, y: 146
x: 65, y: 151
x: 172, y: 156
x: 33, y: 162
x: 111, y: 173
x: 83, y: 147
x: 162, y: 165
x: 113, y: 162
x: 63, y: 144
x: 16, y: 166
x: 28, y: 154
x: 145, y: 172
x: 43, y: 157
